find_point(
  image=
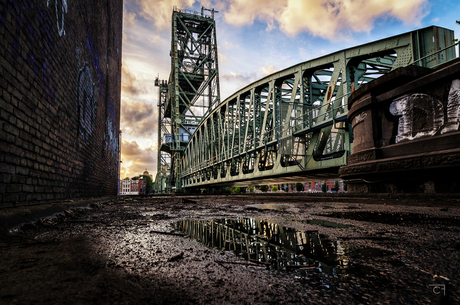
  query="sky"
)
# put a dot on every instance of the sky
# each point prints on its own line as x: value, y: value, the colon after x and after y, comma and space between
x: 255, y: 38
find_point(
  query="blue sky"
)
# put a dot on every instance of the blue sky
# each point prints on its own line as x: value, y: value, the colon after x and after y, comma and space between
x: 255, y: 38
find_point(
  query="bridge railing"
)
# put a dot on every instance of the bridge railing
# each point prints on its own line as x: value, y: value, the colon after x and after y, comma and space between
x: 168, y: 138
x: 323, y: 116
x: 315, y: 118
x: 440, y: 53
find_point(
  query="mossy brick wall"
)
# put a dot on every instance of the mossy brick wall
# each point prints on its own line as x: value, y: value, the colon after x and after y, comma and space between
x: 60, y: 71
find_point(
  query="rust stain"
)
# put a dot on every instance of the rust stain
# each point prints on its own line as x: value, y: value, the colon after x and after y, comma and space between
x: 329, y: 93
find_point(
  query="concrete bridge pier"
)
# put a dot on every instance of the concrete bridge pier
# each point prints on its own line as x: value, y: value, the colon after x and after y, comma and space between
x: 406, y: 132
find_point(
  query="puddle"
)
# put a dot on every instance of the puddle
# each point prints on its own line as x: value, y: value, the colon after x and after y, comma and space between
x: 276, y: 207
x: 323, y: 223
x: 265, y: 242
x: 395, y: 218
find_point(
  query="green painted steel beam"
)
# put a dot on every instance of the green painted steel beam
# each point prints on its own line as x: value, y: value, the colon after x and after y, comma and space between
x: 293, y: 123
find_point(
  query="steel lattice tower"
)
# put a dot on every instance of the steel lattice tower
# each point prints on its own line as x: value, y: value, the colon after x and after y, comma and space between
x: 191, y: 92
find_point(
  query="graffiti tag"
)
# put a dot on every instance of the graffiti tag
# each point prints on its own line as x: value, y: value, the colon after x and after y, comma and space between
x: 422, y: 115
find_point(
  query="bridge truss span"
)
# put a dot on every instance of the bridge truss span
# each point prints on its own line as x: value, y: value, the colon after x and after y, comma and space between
x: 292, y: 125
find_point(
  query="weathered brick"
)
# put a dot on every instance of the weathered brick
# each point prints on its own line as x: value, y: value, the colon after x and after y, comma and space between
x: 21, y: 179
x: 10, y: 138
x: 17, y: 150
x: 30, y: 155
x: 5, y: 104
x: 12, y: 120
x: 5, y: 178
x: 14, y: 188
x: 27, y: 188
x: 20, y: 124
x: 11, y: 129
x: 7, y: 168
x: 11, y: 198
x: 40, y: 142
x: 22, y: 171
x: 12, y: 159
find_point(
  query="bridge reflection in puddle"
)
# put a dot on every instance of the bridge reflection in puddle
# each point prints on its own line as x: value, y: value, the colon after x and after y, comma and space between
x: 265, y: 242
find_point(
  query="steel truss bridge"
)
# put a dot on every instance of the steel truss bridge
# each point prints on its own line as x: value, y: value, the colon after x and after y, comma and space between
x: 289, y: 126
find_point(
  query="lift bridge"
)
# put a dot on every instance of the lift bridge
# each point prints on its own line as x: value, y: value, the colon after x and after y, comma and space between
x: 290, y: 126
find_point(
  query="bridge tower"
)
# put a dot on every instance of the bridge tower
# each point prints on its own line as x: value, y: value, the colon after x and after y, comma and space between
x: 164, y: 132
x: 190, y: 93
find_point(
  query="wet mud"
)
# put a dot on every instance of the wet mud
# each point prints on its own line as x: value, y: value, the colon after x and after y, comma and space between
x: 217, y: 250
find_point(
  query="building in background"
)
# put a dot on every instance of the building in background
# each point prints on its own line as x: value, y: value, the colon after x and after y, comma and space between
x: 311, y: 187
x: 142, y: 186
x: 146, y: 172
x: 133, y: 187
x: 316, y: 186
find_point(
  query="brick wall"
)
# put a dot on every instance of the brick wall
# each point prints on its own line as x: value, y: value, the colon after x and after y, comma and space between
x: 60, y: 80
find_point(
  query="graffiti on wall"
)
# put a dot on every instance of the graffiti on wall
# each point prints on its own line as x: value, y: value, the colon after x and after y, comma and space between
x: 111, y: 138
x: 423, y: 115
x: 86, y: 101
x: 60, y: 14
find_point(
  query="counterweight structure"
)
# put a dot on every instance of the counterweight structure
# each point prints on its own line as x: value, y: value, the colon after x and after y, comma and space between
x: 191, y: 92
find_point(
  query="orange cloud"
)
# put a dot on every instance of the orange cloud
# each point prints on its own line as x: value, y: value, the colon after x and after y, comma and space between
x: 161, y: 10
x: 136, y: 160
x: 139, y: 119
x: 129, y: 82
x: 243, y: 12
x: 328, y: 19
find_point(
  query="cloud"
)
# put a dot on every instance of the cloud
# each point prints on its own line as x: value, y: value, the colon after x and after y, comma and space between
x: 123, y: 172
x: 222, y: 58
x: 139, y: 119
x: 267, y: 70
x: 136, y: 160
x: 232, y: 76
x: 161, y: 10
x: 242, y: 12
x: 128, y: 18
x: 130, y: 84
x: 232, y: 82
x: 333, y: 19
x: 155, y: 39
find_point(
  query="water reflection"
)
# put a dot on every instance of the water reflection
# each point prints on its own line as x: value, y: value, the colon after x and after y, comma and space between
x: 265, y: 241
x: 325, y: 223
x: 276, y: 207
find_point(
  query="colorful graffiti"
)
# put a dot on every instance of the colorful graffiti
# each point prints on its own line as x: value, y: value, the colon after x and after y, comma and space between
x: 423, y: 115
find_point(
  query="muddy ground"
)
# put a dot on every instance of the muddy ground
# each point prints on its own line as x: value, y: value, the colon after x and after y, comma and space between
x: 126, y: 251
